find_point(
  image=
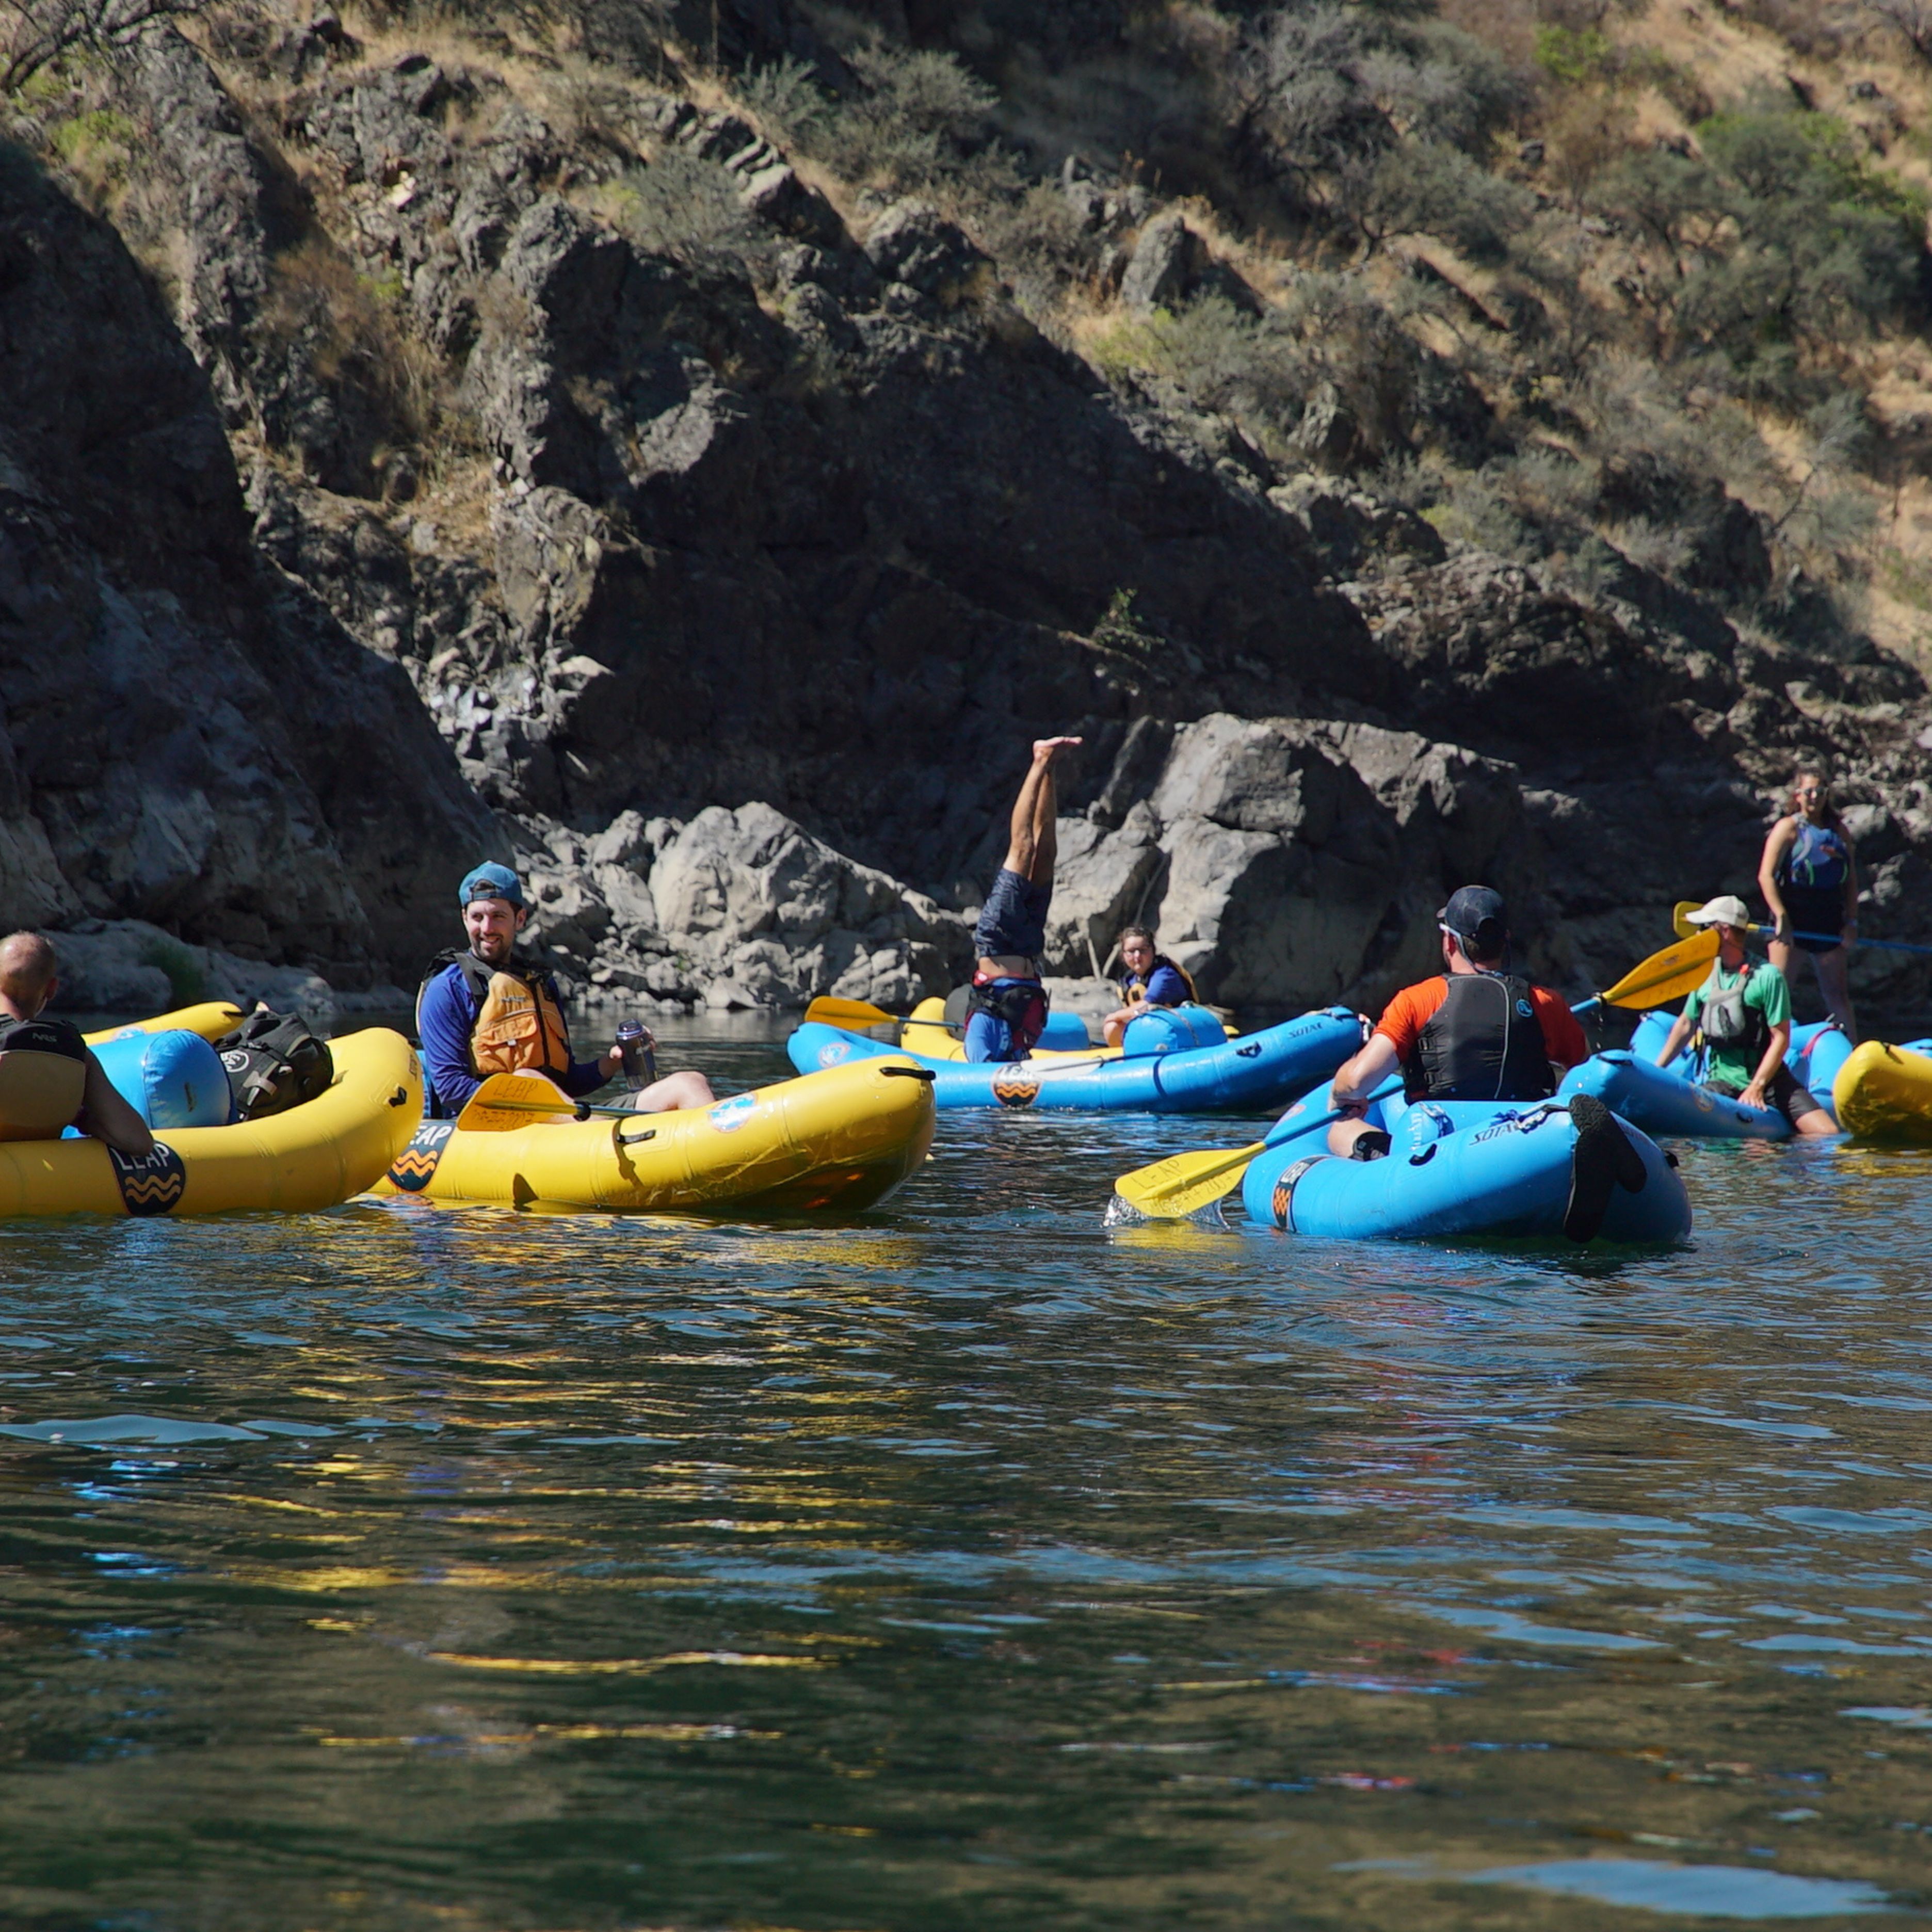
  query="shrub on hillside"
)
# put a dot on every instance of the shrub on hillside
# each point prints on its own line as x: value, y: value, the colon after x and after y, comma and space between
x: 916, y: 115
x: 1778, y: 243
x: 1427, y: 187
x: 1329, y: 338
x: 689, y: 209
x: 1325, y: 94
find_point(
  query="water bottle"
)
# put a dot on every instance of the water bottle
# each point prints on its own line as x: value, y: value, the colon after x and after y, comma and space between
x: 641, y: 1065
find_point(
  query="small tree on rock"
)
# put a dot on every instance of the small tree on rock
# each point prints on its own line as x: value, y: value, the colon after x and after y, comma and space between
x: 34, y: 32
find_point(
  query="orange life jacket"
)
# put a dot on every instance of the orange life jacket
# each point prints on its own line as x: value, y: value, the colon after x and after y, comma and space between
x: 520, y: 1028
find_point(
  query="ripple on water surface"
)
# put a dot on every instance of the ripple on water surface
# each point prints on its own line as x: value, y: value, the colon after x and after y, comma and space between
x: 970, y: 1565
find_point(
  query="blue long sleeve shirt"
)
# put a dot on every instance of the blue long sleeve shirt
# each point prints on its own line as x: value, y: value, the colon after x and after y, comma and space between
x: 445, y: 1018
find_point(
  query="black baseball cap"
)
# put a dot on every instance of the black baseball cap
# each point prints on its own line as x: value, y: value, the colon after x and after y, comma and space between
x: 1477, y: 916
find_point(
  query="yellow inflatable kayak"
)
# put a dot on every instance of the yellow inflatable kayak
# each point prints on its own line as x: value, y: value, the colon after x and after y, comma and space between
x: 312, y: 1156
x: 1885, y: 1093
x: 214, y: 1020
x: 843, y: 1139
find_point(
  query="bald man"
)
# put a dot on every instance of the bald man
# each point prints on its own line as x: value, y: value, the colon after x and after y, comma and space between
x: 49, y: 1078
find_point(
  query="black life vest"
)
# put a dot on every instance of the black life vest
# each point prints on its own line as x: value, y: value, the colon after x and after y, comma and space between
x: 1484, y: 1042
x: 1020, y: 1003
x: 274, y: 1063
x: 1133, y: 987
x: 43, y: 1077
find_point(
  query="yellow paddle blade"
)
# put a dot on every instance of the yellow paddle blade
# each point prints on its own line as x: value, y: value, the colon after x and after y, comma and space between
x: 1668, y: 975
x: 505, y: 1102
x: 1183, y: 1183
x: 828, y: 1012
x: 1680, y: 918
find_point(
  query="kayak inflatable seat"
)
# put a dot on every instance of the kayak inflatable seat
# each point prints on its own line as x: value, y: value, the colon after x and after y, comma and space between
x: 1172, y: 1030
x: 1817, y: 1057
x: 1542, y: 1169
x: 1256, y: 1069
x: 843, y: 1139
x: 312, y: 1156
x: 1065, y: 1032
x: 1884, y: 1093
x: 173, y: 1079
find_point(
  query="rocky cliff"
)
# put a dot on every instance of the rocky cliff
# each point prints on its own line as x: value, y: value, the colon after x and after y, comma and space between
x: 425, y: 439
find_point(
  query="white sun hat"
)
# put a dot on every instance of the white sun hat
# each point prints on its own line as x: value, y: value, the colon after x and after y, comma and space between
x: 1727, y: 909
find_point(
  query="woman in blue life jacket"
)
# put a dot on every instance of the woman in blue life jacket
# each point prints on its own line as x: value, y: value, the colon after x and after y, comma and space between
x: 1147, y: 978
x: 1809, y: 876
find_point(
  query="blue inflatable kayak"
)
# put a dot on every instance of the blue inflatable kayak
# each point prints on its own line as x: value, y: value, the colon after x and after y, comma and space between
x: 1177, y: 1060
x: 1664, y: 1099
x: 1543, y: 1169
x: 1662, y: 1102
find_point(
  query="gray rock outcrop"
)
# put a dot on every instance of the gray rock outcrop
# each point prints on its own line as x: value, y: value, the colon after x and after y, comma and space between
x: 126, y: 966
x: 735, y: 908
x: 1288, y: 863
x: 1165, y: 259
x: 189, y: 737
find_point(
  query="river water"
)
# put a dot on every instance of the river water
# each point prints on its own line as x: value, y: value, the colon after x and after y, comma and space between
x: 968, y: 1564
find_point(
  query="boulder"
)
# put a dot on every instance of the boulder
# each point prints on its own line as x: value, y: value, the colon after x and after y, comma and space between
x: 913, y: 245
x: 778, y: 916
x: 776, y: 196
x: 132, y: 968
x: 1165, y: 259
x: 1291, y: 862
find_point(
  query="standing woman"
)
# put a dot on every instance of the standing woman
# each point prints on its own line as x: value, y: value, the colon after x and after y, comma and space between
x: 1809, y: 878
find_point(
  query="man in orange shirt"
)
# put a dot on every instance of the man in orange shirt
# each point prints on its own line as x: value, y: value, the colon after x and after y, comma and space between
x: 1479, y: 1032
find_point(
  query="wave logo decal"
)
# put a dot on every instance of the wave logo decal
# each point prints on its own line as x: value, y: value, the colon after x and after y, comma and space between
x: 834, y: 1051
x: 1281, y: 1204
x: 412, y: 1169
x: 728, y: 1116
x: 150, y: 1184
x: 1016, y: 1089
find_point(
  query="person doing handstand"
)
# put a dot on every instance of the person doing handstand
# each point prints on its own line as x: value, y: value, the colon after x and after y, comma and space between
x: 1006, y: 1011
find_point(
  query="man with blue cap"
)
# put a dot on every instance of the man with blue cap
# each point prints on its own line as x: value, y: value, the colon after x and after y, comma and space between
x: 1477, y: 1031
x: 483, y: 1011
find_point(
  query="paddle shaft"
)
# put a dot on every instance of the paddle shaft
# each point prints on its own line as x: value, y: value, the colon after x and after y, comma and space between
x: 1837, y: 939
x: 580, y: 1110
x: 1684, y: 926
x: 1387, y: 1091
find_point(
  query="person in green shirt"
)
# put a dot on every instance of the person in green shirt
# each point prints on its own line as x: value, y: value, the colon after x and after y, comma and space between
x: 1744, y: 1009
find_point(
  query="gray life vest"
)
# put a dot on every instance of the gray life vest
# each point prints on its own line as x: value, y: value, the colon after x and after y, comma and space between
x: 1724, y: 1019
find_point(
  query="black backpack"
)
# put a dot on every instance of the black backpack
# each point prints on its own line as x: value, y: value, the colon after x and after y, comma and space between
x: 274, y: 1063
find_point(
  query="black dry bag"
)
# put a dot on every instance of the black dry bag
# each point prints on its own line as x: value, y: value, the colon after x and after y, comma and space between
x: 274, y: 1063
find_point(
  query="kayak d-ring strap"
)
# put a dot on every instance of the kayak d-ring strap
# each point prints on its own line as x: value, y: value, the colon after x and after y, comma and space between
x: 635, y: 1140
x: 924, y: 1073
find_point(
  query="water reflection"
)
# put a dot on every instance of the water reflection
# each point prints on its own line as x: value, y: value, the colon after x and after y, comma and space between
x: 970, y: 1566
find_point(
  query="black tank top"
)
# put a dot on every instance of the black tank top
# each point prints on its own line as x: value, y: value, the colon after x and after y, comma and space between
x: 1484, y: 1042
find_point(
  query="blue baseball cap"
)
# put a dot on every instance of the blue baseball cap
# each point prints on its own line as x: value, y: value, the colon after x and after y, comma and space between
x: 1478, y: 916
x: 490, y: 881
